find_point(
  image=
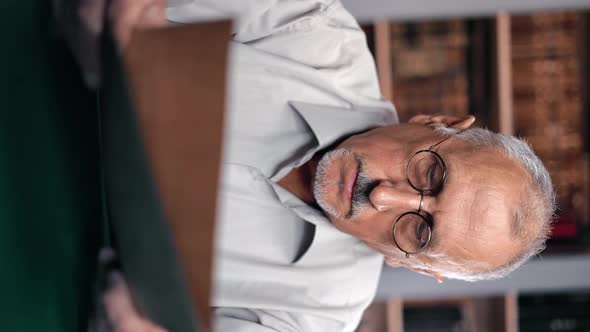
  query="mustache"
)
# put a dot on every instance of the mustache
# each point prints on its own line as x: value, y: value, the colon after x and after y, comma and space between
x: 363, y: 186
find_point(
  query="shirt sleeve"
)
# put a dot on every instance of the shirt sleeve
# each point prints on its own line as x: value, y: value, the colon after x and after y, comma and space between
x: 318, y: 34
x: 259, y: 19
x: 260, y: 320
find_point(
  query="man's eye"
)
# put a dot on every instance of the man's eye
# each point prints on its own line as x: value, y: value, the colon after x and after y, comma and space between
x: 431, y: 175
x: 421, y: 232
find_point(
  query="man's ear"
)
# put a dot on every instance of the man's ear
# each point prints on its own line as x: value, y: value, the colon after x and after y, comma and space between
x: 396, y: 263
x: 450, y: 121
x: 430, y: 273
x: 393, y: 262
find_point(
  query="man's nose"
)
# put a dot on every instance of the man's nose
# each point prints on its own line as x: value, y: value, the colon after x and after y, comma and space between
x: 387, y: 195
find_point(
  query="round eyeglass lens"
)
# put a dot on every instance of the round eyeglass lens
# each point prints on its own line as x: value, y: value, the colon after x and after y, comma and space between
x: 411, y: 232
x: 425, y: 171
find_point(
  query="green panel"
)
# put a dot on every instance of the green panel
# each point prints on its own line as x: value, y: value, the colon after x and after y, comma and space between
x: 140, y: 233
x: 50, y: 211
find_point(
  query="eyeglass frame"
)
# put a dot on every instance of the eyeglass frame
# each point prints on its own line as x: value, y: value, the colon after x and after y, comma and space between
x: 422, y: 192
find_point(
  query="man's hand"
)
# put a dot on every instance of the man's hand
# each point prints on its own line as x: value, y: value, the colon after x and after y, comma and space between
x: 121, y: 313
x: 127, y: 15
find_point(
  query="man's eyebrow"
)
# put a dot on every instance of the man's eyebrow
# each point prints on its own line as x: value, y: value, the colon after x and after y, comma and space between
x: 434, y: 239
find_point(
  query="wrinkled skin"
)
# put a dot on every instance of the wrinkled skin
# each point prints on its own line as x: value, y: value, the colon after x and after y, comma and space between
x: 472, y: 214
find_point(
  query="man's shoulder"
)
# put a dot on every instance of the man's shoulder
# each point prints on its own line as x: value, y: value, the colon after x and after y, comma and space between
x: 332, y: 283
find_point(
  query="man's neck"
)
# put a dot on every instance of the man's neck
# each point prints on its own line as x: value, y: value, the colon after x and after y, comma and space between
x: 299, y: 181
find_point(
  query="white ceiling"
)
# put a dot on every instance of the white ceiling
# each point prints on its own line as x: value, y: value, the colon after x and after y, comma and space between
x: 370, y: 10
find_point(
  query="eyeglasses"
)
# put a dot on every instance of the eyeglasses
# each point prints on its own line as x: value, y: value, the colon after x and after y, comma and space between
x: 426, y: 172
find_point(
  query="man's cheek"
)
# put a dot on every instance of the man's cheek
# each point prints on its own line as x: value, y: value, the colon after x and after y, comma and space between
x: 353, y: 228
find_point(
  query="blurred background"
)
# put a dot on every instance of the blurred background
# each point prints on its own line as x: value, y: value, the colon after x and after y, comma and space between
x: 520, y: 66
x: 522, y: 71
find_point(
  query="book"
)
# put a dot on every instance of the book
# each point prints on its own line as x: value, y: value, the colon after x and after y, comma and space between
x: 161, y: 115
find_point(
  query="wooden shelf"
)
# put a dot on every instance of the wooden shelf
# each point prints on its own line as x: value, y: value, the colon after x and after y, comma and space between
x: 481, y: 314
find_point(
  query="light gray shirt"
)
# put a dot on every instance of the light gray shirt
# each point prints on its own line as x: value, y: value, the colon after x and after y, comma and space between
x: 301, y: 78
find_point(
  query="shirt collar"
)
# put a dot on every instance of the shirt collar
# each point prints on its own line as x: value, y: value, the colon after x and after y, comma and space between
x: 331, y: 123
x: 328, y: 124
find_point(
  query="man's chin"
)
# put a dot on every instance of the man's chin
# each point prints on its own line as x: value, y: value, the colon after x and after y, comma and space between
x: 330, y: 211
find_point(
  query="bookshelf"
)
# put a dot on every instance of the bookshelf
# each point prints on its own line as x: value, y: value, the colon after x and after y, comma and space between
x: 483, y: 314
x: 494, y: 303
x: 524, y: 75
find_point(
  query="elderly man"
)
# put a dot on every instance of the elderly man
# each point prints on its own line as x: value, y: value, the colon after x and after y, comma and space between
x: 321, y: 184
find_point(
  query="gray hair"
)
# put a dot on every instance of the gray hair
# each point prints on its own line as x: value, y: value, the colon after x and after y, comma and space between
x: 536, y: 211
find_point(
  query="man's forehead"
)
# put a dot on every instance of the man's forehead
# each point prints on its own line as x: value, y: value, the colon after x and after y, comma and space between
x: 485, y: 236
x: 478, y: 206
x: 466, y: 213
